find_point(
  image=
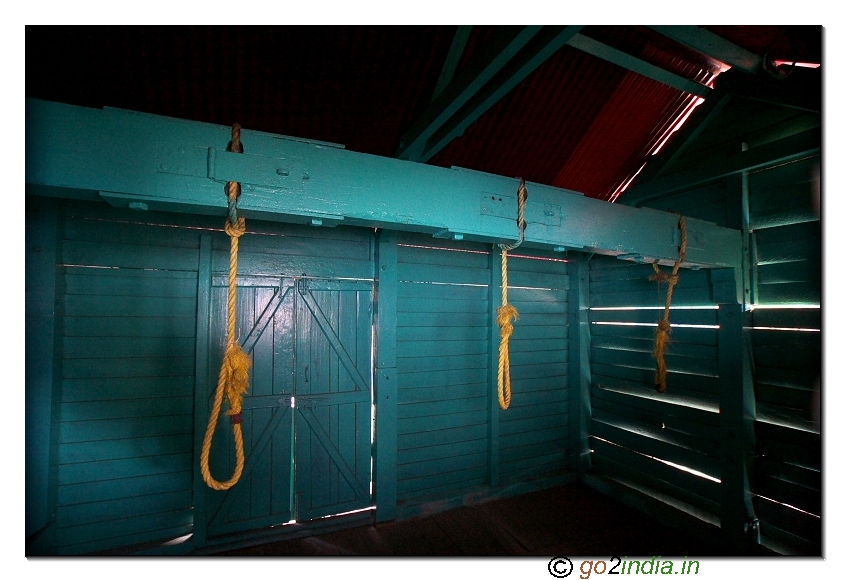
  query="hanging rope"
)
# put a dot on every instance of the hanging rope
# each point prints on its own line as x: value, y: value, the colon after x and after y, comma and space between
x: 661, y: 337
x: 234, y: 372
x: 507, y: 312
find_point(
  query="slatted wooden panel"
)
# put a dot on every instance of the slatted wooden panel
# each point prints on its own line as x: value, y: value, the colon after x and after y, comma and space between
x: 787, y: 355
x: 442, y: 360
x: 709, y: 202
x: 637, y: 433
x: 128, y: 307
x: 533, y: 432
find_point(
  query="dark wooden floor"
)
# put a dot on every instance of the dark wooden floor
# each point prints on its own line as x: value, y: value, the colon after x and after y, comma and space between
x: 570, y: 520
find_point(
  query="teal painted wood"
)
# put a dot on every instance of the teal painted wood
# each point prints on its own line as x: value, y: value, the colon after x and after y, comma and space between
x: 443, y: 356
x: 141, y: 157
x: 700, y: 492
x: 672, y: 495
x: 737, y: 414
x: 333, y: 358
x: 538, y: 368
x: 40, y: 306
x: 785, y: 194
x: 789, y: 243
x: 386, y: 388
x: 680, y: 336
x: 124, y: 441
x: 202, y: 378
x: 698, y: 427
x: 781, y: 443
x: 653, y: 443
x: 263, y: 492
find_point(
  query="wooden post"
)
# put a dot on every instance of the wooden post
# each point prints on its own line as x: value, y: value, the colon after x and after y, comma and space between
x: 43, y: 382
x: 201, y: 385
x: 579, y: 365
x: 736, y: 425
x: 386, y: 378
x: 494, y: 297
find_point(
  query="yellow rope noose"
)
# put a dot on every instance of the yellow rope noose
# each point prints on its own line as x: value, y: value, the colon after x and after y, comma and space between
x: 507, y: 312
x: 234, y: 372
x: 661, y: 337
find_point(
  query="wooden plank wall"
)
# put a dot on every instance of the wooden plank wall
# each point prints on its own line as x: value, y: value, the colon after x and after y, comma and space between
x: 533, y: 432
x: 444, y: 353
x: 786, y: 338
x: 650, y: 442
x: 127, y: 303
x: 442, y: 362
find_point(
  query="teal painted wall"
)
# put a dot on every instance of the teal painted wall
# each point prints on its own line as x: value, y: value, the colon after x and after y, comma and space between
x: 113, y: 424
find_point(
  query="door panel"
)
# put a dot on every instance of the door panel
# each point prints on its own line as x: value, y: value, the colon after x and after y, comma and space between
x: 333, y: 421
x: 307, y: 418
x: 265, y: 326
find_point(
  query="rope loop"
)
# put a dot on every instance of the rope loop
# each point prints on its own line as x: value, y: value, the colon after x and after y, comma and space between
x: 233, y: 380
x: 661, y: 337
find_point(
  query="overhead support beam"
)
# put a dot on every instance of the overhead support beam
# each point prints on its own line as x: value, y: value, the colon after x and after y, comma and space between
x: 637, y: 65
x: 482, y: 83
x: 794, y: 147
x: 147, y: 162
x: 459, y: 42
x: 712, y: 45
x: 801, y: 90
x: 677, y: 144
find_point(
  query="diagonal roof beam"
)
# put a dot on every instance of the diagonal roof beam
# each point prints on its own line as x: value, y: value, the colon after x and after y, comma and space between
x: 700, y: 118
x: 712, y: 45
x: 480, y: 85
x: 459, y: 42
x: 637, y: 65
x: 468, y: 82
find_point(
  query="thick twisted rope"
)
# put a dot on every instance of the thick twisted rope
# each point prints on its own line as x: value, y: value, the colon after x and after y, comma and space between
x: 661, y: 337
x: 507, y: 313
x: 233, y: 380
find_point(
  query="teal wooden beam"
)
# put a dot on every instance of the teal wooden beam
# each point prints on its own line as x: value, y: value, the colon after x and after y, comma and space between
x: 712, y: 45
x: 736, y: 426
x: 450, y: 65
x: 798, y: 146
x: 386, y: 378
x: 468, y: 82
x: 149, y: 162
x: 547, y: 42
x: 637, y: 65
x: 580, y: 377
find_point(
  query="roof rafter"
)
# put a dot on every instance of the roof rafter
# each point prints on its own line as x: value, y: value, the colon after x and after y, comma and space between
x: 480, y: 85
x: 632, y: 63
x: 712, y: 45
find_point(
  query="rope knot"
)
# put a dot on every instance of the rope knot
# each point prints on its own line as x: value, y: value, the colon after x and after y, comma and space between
x: 663, y: 326
x: 505, y: 314
x: 237, y: 364
x: 236, y: 230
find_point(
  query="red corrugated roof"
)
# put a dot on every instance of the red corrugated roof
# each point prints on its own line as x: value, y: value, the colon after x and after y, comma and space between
x: 577, y: 122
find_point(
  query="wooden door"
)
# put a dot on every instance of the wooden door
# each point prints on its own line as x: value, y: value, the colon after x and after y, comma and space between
x: 265, y: 326
x: 333, y: 399
x: 307, y: 419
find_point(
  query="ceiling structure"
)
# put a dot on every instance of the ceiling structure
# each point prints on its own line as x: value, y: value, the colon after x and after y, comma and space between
x: 583, y: 108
